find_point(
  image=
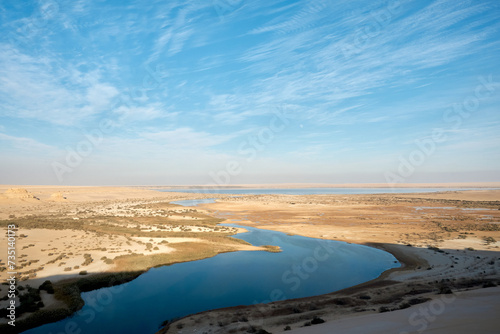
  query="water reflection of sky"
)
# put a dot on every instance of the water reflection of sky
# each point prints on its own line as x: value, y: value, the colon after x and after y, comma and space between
x: 305, y: 267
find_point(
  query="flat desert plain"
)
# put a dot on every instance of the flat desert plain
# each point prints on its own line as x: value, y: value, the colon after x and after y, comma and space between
x: 446, y: 242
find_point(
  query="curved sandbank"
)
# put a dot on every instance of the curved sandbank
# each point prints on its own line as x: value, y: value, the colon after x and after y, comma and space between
x: 441, y: 239
x: 392, y: 220
x: 425, y: 276
x: 86, y: 238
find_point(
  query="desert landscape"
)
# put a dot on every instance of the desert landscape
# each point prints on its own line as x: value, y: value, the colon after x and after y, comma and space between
x: 251, y: 167
x: 446, y: 242
x: 105, y: 233
x: 84, y: 238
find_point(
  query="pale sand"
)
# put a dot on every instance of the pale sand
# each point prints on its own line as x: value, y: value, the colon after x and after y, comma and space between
x: 393, y: 220
x: 59, y: 254
x: 386, y: 218
x: 347, y: 319
x: 386, y: 221
x: 104, y: 199
x: 475, y: 311
x: 74, y: 244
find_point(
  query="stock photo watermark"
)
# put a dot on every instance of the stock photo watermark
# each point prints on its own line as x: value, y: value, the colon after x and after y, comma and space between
x: 454, y: 116
x: 424, y: 315
x: 249, y: 149
x: 379, y: 21
x: 11, y: 267
x: 292, y: 279
x: 224, y: 7
x: 76, y: 154
x: 31, y: 27
x: 301, y: 272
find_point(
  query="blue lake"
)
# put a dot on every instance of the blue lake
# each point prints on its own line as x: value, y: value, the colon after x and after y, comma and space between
x: 305, y: 267
x: 194, y: 202
x: 309, y: 191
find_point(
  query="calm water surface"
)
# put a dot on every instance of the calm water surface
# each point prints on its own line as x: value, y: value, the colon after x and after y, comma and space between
x: 305, y: 267
x: 194, y: 202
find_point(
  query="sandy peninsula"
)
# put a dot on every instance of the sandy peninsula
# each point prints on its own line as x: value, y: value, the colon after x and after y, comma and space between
x: 446, y: 242
x: 101, y: 235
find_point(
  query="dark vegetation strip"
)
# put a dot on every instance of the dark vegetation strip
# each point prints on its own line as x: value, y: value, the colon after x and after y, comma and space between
x: 68, y: 292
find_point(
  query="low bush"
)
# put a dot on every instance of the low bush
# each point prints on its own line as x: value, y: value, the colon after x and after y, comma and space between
x: 47, y: 286
x: 317, y: 321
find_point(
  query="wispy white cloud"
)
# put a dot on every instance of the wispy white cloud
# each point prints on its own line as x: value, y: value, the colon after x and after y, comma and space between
x: 127, y: 114
x: 308, y: 67
x: 176, y: 20
x: 306, y: 18
x: 186, y: 137
x: 25, y: 144
x: 37, y: 88
x: 180, y: 80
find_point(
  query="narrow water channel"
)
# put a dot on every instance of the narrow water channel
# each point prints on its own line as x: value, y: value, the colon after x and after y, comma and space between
x: 305, y: 267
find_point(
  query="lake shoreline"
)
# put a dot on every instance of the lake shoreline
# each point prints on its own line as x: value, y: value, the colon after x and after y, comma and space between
x: 405, y: 258
x: 432, y: 267
x: 391, y: 290
x: 68, y: 293
x: 97, y: 281
x: 75, y: 235
x: 387, y: 221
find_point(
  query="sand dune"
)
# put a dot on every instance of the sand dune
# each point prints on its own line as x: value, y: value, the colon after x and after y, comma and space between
x: 468, y: 312
x: 453, y: 238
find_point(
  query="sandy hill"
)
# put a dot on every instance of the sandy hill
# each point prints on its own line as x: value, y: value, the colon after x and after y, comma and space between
x: 57, y: 197
x: 19, y: 193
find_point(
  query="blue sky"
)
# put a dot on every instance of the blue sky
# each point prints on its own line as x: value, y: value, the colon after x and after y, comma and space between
x: 233, y: 91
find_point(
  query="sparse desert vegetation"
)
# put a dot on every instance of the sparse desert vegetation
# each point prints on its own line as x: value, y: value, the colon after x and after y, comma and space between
x: 91, y: 242
x: 87, y: 243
